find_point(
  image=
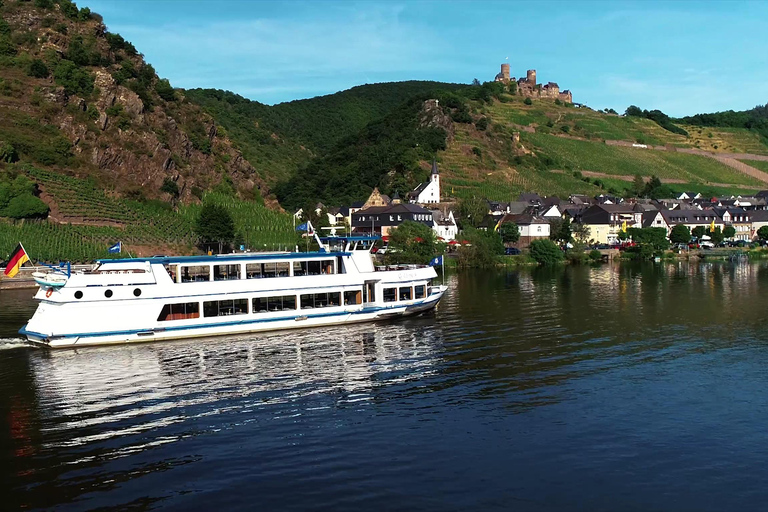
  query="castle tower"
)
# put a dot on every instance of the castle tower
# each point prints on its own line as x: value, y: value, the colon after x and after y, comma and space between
x: 435, y: 177
x: 531, y: 77
x: 505, y: 72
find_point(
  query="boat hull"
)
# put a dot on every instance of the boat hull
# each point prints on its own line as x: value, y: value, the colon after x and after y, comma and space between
x: 299, y: 320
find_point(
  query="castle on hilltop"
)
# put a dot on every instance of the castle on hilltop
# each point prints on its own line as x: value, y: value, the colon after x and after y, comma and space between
x: 530, y: 89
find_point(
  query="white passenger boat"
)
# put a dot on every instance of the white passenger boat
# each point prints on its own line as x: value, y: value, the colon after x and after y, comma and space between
x: 160, y: 298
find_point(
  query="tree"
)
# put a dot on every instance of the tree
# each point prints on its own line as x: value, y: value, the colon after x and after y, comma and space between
x: 729, y: 232
x: 411, y: 242
x: 560, y: 230
x: 680, y: 234
x: 509, y: 232
x: 716, y: 235
x: 699, y: 231
x: 545, y: 252
x: 164, y: 90
x: 482, y: 123
x: 632, y: 110
x: 214, y: 225
x: 483, y: 249
x: 38, y: 69
x: 580, y: 233
x: 528, y: 101
x: 26, y: 206
x: 762, y: 233
x: 476, y: 82
x: 638, y: 185
x: 472, y: 211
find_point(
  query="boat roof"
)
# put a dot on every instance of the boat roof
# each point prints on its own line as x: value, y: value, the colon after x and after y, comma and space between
x: 218, y: 258
x: 349, y: 238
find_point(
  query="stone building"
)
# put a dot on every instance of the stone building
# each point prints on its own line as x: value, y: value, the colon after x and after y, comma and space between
x: 528, y: 87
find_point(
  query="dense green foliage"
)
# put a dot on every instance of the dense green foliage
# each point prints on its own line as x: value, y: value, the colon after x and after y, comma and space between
x: 699, y: 231
x: 755, y: 119
x: 412, y: 242
x: 729, y: 232
x: 17, y: 199
x: 762, y: 233
x: 483, y: 249
x: 214, y: 225
x: 545, y: 252
x: 649, y: 242
x: 716, y: 235
x: 560, y: 230
x: 352, y: 168
x: 509, y: 232
x: 680, y: 234
x: 471, y: 211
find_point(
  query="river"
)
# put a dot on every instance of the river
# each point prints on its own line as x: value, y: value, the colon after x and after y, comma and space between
x: 624, y: 387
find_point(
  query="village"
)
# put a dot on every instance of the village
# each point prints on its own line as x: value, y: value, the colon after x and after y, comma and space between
x: 602, y: 219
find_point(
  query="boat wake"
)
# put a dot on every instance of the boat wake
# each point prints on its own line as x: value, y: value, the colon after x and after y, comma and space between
x: 9, y: 343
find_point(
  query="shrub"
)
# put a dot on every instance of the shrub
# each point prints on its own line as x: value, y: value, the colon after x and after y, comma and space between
x: 26, y: 206
x: 482, y: 123
x: 170, y: 187
x: 164, y: 90
x: 565, y: 128
x: 545, y: 252
x: 38, y: 69
x: 8, y: 153
x: 75, y: 80
x: 528, y: 101
x: 595, y: 255
x: 477, y: 151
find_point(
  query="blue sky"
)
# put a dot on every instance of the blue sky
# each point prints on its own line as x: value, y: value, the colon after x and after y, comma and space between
x: 681, y: 57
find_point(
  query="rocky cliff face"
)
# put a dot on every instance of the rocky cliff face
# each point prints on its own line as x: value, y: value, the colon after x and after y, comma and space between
x: 126, y: 128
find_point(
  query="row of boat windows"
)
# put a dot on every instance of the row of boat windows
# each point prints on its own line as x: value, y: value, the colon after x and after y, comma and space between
x: 227, y: 307
x: 227, y: 272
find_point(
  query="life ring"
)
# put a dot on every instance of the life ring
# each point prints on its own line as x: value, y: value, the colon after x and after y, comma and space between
x: 49, y: 292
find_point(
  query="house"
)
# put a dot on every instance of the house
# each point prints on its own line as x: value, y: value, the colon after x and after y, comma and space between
x: 759, y: 218
x: 739, y: 219
x: 381, y: 219
x: 428, y: 192
x: 689, y: 196
x: 530, y: 198
x: 691, y: 219
x: 653, y: 219
x: 531, y: 227
x: 445, y: 225
x: 605, y: 221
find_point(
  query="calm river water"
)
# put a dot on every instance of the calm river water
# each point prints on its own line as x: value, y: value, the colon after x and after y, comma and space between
x: 607, y: 388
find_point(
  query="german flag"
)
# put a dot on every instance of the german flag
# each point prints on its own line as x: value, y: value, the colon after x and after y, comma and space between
x: 18, y: 258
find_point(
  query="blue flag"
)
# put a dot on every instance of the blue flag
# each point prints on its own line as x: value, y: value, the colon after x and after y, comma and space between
x: 301, y: 227
x: 117, y: 248
x: 436, y: 261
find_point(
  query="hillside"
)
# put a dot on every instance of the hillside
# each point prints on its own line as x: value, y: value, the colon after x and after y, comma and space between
x: 80, y: 100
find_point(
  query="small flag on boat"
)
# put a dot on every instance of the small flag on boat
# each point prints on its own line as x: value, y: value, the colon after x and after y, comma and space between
x: 436, y: 261
x: 116, y: 249
x: 17, y: 259
x: 301, y: 227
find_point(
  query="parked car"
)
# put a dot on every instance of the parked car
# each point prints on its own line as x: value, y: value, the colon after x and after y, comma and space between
x: 706, y: 244
x: 511, y: 251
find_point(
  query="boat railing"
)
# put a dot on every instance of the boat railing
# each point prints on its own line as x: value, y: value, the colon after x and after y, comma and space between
x: 388, y: 268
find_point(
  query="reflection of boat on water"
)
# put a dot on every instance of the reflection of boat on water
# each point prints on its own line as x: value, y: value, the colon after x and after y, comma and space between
x: 151, y: 387
x: 158, y: 298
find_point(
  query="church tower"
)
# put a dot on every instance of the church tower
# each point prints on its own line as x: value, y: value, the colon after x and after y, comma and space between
x: 435, y: 176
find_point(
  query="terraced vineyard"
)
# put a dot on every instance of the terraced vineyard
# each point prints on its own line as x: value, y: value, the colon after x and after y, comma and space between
x: 97, y: 221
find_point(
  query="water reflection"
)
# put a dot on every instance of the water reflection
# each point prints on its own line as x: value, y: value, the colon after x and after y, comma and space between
x: 537, y: 361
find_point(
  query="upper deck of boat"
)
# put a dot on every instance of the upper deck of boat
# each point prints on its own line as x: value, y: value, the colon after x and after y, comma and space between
x: 222, y: 258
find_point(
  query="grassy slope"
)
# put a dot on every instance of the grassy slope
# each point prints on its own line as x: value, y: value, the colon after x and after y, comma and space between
x: 496, y: 175
x: 758, y: 164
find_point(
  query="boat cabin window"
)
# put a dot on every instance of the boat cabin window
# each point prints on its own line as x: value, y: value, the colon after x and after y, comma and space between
x: 225, y: 307
x: 352, y: 297
x: 226, y: 272
x: 327, y: 267
x: 195, y: 273
x: 268, y: 269
x: 265, y: 304
x: 390, y: 294
x: 181, y: 311
x: 313, y: 268
x: 299, y: 268
x: 406, y: 293
x: 320, y: 300
x: 421, y: 291
x: 173, y: 271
